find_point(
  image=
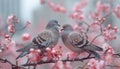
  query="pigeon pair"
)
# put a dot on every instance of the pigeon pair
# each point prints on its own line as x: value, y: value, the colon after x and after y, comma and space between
x: 73, y: 40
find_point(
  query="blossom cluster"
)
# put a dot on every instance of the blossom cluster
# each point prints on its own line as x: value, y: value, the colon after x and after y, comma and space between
x: 55, y: 55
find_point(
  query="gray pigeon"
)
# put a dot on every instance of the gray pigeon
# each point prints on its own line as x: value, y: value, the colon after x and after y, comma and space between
x: 77, y: 43
x: 47, y: 38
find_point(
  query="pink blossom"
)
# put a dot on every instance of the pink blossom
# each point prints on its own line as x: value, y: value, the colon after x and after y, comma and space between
x: 57, y: 7
x: 108, y: 57
x: 95, y: 15
x: 12, y: 47
x: 12, y: 19
x: 7, y: 36
x: 8, y: 46
x: 117, y: 11
x: 106, y: 8
x: 68, y: 65
x: 32, y: 50
x: 102, y: 7
x: 48, y: 49
x: 42, y: 2
x: 77, y: 27
x: 54, y: 53
x: 110, y: 33
x: 72, y: 55
x: 59, y: 65
x: 26, y: 37
x: 96, y: 64
x: 80, y: 5
x: 28, y: 23
x: 77, y: 15
x: 1, y: 50
x: 34, y: 55
x: 49, y: 53
x: 11, y: 28
x: 99, y: 6
x: 95, y: 26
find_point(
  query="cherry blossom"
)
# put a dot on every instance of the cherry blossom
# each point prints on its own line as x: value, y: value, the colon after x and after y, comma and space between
x: 117, y: 11
x: 28, y: 23
x: 110, y: 33
x: 59, y: 65
x: 102, y: 7
x: 94, y: 15
x: 26, y: 36
x: 80, y: 5
x: 96, y: 64
x: 57, y: 7
x: 11, y: 28
x: 72, y: 55
x: 93, y: 29
x: 12, y: 19
x: 34, y: 55
x: 109, y: 51
x: 77, y: 15
x: 54, y: 53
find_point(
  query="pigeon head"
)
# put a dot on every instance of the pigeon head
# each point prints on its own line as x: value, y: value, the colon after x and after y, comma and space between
x: 52, y: 24
x: 66, y: 27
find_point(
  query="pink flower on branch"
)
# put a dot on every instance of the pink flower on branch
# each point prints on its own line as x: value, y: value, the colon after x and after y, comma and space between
x: 57, y: 7
x: 80, y: 5
x: 102, y: 8
x: 34, y: 55
x: 96, y: 64
x: 59, y: 65
x: 26, y: 37
x: 117, y: 11
x: 68, y: 65
x: 28, y: 23
x: 110, y: 33
x: 12, y: 19
x: 54, y: 53
x: 95, y: 15
x: 8, y: 46
x: 108, y: 53
x: 77, y: 15
x: 11, y: 28
x: 72, y: 55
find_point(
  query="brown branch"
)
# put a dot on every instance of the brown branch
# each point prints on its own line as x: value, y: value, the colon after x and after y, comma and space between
x: 88, y: 27
x: 13, y: 65
x: 95, y: 38
x: 117, y: 54
x: 114, y: 66
x: 54, y: 61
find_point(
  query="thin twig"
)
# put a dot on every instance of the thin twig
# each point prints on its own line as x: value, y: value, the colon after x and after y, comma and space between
x: 54, y: 61
x: 116, y: 54
x: 95, y: 38
x: 114, y: 66
x: 88, y: 27
x: 13, y: 65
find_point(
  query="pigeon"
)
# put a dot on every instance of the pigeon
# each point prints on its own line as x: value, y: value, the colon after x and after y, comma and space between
x: 47, y: 38
x: 77, y: 42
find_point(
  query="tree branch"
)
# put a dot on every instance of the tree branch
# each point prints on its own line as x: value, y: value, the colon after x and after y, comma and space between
x: 54, y: 61
x: 13, y: 65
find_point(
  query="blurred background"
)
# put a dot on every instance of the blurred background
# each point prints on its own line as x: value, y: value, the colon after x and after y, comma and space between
x: 39, y: 15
